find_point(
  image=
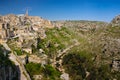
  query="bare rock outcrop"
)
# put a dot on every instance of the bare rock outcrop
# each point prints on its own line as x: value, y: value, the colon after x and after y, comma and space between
x: 116, y: 21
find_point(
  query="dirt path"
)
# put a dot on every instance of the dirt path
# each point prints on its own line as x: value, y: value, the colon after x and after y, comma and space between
x: 62, y: 54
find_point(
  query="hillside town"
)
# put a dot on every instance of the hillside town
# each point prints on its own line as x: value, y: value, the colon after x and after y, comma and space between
x: 12, y: 26
x: 51, y: 50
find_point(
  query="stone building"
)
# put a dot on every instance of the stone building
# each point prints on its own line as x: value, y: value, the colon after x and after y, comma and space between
x: 22, y: 26
x: 4, y: 32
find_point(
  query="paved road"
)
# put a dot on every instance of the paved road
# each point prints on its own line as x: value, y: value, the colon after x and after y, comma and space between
x: 23, y: 73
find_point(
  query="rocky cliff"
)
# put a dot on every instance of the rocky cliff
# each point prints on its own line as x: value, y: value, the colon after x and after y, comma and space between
x: 116, y: 21
x: 8, y: 70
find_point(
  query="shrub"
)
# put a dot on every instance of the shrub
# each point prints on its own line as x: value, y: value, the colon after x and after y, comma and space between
x: 48, y: 71
x: 18, y: 51
x: 51, y: 72
x: 33, y: 68
x: 74, y: 63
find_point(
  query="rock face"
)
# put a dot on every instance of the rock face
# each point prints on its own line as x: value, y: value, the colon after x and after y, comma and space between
x: 110, y: 41
x: 116, y: 21
x: 8, y: 70
x: 116, y: 65
x: 9, y: 73
x: 65, y: 76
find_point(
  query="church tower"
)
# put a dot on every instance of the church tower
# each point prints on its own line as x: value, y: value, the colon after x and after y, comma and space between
x: 26, y: 14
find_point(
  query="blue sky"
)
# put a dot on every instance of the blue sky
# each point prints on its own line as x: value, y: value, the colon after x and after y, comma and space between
x: 100, y: 10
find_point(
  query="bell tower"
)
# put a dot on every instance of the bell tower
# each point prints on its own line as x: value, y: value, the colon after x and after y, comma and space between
x: 26, y: 14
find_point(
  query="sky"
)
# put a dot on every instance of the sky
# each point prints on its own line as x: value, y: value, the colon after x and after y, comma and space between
x: 96, y: 10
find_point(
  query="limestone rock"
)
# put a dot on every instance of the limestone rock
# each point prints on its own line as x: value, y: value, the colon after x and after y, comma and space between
x: 64, y: 76
x: 37, y: 77
x: 116, y: 21
x: 116, y: 65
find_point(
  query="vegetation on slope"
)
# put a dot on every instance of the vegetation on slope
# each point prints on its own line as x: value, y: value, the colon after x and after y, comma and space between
x: 56, y: 40
x: 84, y: 68
x: 90, y: 60
x: 47, y: 71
